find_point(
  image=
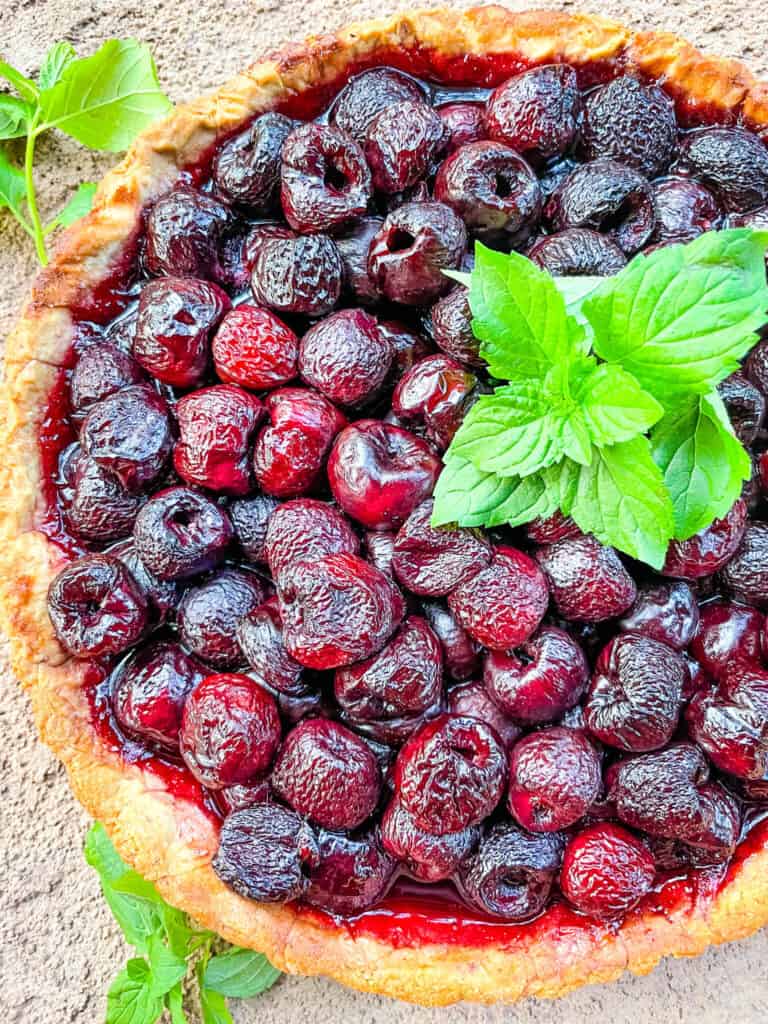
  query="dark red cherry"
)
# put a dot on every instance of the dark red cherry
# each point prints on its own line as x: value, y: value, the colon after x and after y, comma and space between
x: 184, y: 231
x: 325, y: 180
x: 745, y: 404
x: 151, y: 689
x: 460, y: 651
x: 472, y: 700
x: 512, y: 872
x: 436, y: 391
x: 607, y: 196
x: 177, y: 318
x: 217, y: 430
x: 450, y: 774
x: 336, y: 610
x: 542, y: 680
x: 353, y: 872
x: 346, y: 357
x: 537, y: 112
x: 493, y: 190
x: 587, y: 580
x: 290, y: 452
x: 552, y: 529
x: 96, y: 607
x: 180, y: 533
x: 366, y: 95
x: 402, y: 143
x: 100, y: 508
x: 577, y: 252
x: 297, y: 275
x: 427, y: 857
x: 250, y: 518
x: 266, y: 853
x: 606, y: 871
x: 554, y: 777
x: 327, y: 774
x: 255, y: 349
x: 451, y: 320
x: 129, y: 434
x: 100, y: 371
x: 210, y: 613
x: 230, y: 730
x: 379, y: 548
x: 745, y: 576
x: 246, y: 169
x: 730, y: 724
x: 431, y: 560
x: 465, y: 123
x: 404, y: 678
x: 684, y: 210
x: 664, y: 611
x: 727, y: 634
x: 635, y: 695
x: 415, y: 244
x: 162, y: 595
x: 709, y: 549
x: 504, y: 603
x: 353, y: 249
x: 379, y: 473
x: 630, y: 122
x: 305, y: 529
x: 731, y: 161
x: 260, y: 637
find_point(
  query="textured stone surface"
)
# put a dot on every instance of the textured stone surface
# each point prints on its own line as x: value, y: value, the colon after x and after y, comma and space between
x: 58, y: 944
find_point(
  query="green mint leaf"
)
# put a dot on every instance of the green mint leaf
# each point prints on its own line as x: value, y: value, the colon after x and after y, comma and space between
x: 15, y: 115
x: 703, y: 462
x: 78, y: 205
x: 166, y: 968
x: 24, y: 86
x: 510, y: 432
x: 105, y: 100
x: 466, y: 495
x: 681, y: 318
x: 55, y: 61
x: 102, y: 855
x: 213, y: 1007
x: 240, y: 973
x: 518, y: 314
x: 575, y: 290
x: 529, y: 498
x: 174, y: 1001
x: 622, y: 500
x: 130, y: 999
x: 459, y: 276
x: 13, y: 190
x: 614, y: 405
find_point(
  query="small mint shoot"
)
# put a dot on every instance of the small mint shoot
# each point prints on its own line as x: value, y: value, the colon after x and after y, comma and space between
x: 103, y: 101
x: 172, y: 950
x: 607, y: 407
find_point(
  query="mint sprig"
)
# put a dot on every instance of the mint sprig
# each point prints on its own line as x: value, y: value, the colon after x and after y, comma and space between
x: 592, y: 366
x: 103, y: 101
x: 171, y: 950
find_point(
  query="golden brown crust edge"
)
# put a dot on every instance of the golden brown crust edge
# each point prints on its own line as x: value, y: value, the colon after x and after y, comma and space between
x: 166, y: 838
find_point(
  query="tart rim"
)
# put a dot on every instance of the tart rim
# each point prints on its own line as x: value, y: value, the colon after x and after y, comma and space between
x: 166, y: 838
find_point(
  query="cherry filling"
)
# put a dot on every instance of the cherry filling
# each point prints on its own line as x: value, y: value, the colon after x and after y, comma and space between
x: 426, y: 731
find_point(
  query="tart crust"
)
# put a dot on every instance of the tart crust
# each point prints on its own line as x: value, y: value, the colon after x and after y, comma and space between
x: 168, y: 839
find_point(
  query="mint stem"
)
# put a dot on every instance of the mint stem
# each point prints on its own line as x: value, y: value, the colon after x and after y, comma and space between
x: 37, y: 227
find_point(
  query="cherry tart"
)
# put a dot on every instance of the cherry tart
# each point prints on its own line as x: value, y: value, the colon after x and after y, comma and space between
x: 437, y: 763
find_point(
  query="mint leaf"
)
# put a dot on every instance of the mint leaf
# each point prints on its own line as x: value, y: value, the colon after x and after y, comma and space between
x: 105, y: 100
x: 465, y: 494
x: 166, y: 969
x: 174, y: 1000
x: 681, y: 318
x: 102, y: 855
x: 213, y: 1007
x: 703, y: 462
x: 14, y: 117
x: 13, y: 190
x: 59, y: 57
x: 130, y: 999
x: 518, y: 315
x: 24, y: 86
x: 614, y: 405
x: 529, y: 498
x: 78, y: 205
x: 241, y: 973
x: 622, y: 500
x: 575, y: 290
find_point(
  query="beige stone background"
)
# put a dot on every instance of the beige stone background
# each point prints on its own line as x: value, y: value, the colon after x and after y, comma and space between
x: 59, y: 947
